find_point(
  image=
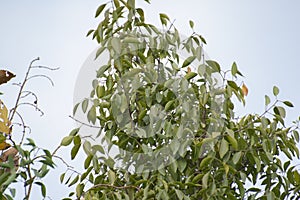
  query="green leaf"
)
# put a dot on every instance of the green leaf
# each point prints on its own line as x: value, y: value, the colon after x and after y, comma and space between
x: 116, y: 44
x: 85, y: 105
x: 100, y: 91
x: 234, y: 69
x: 164, y: 18
x: 79, y: 190
x: 117, y: 4
x: 111, y: 177
x: 190, y: 75
x: 99, y: 51
x: 101, y: 71
x: 289, y: 104
x: 61, y: 178
x: 99, y: 10
x: 214, y: 65
x: 223, y: 148
x: 92, y: 115
x: 275, y: 91
x: 236, y: 157
x: 188, y: 61
x: 75, y: 150
x: 278, y: 110
x: 66, y: 140
x: 205, y: 180
x: 205, y: 162
x: 232, y: 141
x: 233, y: 85
x: 75, y: 180
x: 191, y: 24
x: 267, y: 100
x: 74, y: 132
x: 179, y: 194
x: 43, y: 188
x: 75, y: 108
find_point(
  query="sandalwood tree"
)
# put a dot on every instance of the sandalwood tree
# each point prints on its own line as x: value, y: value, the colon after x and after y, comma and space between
x: 167, y: 124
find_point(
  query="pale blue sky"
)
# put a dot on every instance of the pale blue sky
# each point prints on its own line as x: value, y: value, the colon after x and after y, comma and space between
x: 261, y: 36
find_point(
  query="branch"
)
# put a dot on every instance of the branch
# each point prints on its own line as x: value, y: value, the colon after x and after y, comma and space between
x: 82, y: 123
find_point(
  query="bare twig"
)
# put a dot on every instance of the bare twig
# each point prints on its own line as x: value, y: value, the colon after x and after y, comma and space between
x: 82, y: 123
x: 42, y: 75
x: 21, y: 90
x: 45, y: 67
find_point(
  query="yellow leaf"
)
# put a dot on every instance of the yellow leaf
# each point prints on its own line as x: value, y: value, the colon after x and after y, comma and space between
x: 4, y: 145
x: 189, y: 70
x: 244, y: 90
x: 4, y: 122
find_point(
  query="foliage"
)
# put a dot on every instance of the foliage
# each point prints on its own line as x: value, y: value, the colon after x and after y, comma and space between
x: 21, y: 160
x: 173, y: 121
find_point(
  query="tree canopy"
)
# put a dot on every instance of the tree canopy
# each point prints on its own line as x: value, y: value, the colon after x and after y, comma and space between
x: 169, y: 111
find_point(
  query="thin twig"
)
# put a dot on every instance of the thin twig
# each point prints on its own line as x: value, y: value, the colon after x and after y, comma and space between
x: 33, y: 105
x: 82, y: 123
x: 45, y: 67
x: 21, y: 89
x: 42, y: 75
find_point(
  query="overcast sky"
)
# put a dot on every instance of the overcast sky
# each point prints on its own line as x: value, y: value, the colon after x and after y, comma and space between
x: 261, y: 36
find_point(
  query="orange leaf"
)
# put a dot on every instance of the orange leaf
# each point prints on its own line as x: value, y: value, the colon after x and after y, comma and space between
x: 189, y: 70
x: 5, y: 76
x: 244, y: 90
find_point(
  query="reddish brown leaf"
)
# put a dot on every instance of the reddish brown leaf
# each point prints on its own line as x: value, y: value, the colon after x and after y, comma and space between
x: 5, y: 76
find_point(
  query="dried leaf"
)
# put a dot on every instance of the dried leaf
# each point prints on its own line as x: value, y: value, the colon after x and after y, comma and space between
x: 244, y: 90
x: 189, y: 70
x: 5, y: 76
